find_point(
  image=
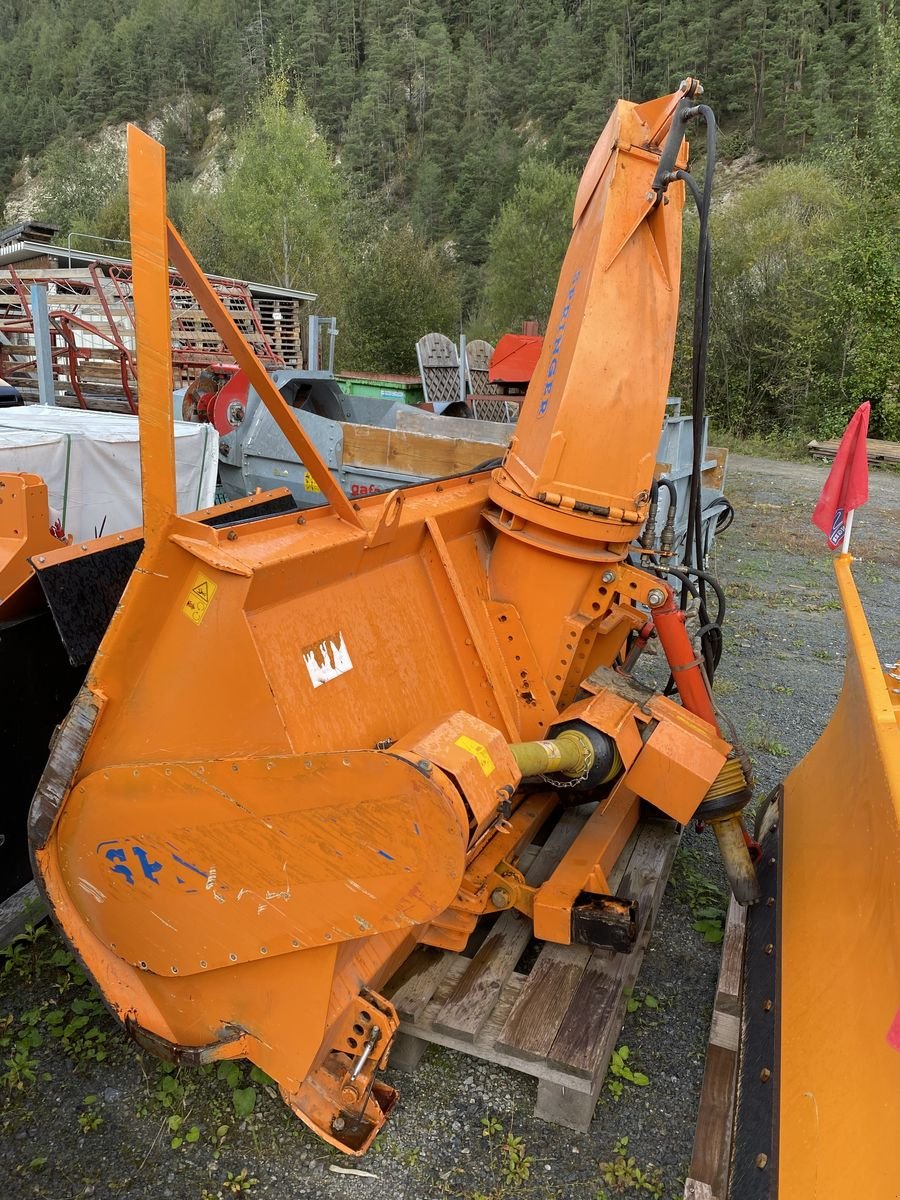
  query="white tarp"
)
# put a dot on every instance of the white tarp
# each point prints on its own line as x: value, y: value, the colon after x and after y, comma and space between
x: 91, y: 464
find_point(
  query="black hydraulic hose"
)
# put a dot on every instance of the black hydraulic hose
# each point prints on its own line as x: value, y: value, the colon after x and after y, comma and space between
x: 669, y: 485
x: 702, y: 297
x: 684, y: 110
x: 693, y: 187
x: 710, y: 638
x: 716, y: 587
x: 682, y: 576
x: 726, y: 517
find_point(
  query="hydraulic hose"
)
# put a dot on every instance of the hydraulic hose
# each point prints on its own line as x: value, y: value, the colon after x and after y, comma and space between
x: 710, y: 643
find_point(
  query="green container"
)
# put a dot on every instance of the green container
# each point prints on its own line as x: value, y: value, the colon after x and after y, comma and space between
x: 404, y: 389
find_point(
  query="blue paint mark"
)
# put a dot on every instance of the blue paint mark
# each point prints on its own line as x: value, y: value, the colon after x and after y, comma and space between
x: 150, y: 869
x: 117, y: 855
x: 178, y: 879
x: 384, y: 854
x: 190, y: 866
x: 556, y: 347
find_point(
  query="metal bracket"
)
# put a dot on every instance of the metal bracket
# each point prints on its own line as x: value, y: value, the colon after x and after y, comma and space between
x: 606, y: 921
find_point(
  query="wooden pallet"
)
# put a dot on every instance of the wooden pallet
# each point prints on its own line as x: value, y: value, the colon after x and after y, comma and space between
x: 876, y: 451
x: 708, y: 1177
x: 559, y: 1022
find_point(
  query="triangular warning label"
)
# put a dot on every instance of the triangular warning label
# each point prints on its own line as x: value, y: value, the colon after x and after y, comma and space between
x: 199, y: 598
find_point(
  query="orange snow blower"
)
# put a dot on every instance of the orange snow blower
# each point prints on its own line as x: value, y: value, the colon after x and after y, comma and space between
x: 308, y: 744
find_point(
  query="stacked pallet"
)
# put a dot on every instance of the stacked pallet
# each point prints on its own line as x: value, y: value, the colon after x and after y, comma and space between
x: 92, y: 334
x: 91, y: 338
x: 876, y: 451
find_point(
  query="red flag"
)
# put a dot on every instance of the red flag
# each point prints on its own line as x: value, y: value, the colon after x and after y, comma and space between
x: 847, y: 485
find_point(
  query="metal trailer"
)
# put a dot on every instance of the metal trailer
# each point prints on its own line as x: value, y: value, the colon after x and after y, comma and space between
x: 257, y: 454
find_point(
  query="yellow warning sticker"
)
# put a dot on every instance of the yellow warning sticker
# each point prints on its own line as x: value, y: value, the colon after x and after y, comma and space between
x: 199, y: 598
x: 310, y: 484
x: 477, y: 751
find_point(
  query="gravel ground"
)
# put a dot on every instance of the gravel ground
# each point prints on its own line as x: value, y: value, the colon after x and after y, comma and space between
x: 82, y: 1113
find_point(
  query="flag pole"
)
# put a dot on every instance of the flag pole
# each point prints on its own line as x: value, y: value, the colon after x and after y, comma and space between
x: 846, y: 547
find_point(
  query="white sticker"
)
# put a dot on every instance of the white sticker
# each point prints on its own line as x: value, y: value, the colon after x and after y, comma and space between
x: 327, y: 659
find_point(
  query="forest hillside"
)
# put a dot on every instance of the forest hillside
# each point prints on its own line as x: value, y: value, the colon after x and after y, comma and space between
x: 414, y: 161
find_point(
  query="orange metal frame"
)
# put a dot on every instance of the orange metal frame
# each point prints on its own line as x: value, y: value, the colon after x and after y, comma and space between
x: 290, y: 762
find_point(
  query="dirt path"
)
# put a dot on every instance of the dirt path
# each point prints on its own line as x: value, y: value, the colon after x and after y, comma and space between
x: 82, y: 1113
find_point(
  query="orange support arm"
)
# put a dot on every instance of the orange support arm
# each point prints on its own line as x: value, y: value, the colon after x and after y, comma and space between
x: 154, y: 240
x: 147, y: 207
x: 186, y: 265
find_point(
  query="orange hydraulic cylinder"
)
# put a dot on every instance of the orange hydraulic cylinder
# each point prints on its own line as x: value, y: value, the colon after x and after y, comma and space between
x: 683, y: 662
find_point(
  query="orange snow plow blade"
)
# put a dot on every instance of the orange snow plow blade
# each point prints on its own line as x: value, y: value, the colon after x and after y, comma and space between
x: 840, y: 939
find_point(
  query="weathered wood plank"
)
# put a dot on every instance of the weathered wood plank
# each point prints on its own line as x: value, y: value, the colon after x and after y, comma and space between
x: 715, y: 1117
x: 468, y: 1008
x: 731, y: 971
x: 563, y: 1104
x: 544, y: 1001
x: 712, y: 1137
x: 566, y: 1095
x: 695, y: 1190
x: 587, y: 1035
x: 36, y: 274
x: 412, y: 453
x: 416, y: 981
x: 485, y: 1045
x: 477, y: 991
x: 416, y: 420
x: 406, y: 1051
x: 24, y: 907
x: 549, y: 989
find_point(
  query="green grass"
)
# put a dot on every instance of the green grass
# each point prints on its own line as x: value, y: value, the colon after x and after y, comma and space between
x: 787, y: 447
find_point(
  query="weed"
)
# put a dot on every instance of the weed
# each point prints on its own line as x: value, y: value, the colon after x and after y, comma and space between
x: 171, y: 1090
x: 217, y: 1139
x: 90, y: 1121
x: 181, y: 1136
x: 620, y: 1070
x: 21, y: 1070
x: 243, y: 1098
x: 782, y: 688
x: 706, y: 901
x: 634, y: 1003
x: 83, y: 1041
x: 724, y: 687
x: 22, y: 956
x: 238, y: 1184
x: 759, y: 738
x: 515, y: 1162
x: 490, y: 1126
x: 622, y: 1173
